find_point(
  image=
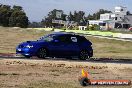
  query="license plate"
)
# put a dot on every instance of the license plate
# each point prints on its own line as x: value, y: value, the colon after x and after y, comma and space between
x: 19, y: 50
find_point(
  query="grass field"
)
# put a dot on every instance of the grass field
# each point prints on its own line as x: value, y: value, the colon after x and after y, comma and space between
x: 31, y: 73
x: 11, y: 37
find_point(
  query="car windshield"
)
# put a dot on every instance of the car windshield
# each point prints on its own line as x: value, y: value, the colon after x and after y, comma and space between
x: 47, y: 38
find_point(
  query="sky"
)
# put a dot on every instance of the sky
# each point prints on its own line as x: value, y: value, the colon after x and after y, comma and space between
x: 36, y: 10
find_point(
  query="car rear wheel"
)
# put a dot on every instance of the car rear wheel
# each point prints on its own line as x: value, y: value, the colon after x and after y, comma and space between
x: 84, y: 55
x: 42, y: 53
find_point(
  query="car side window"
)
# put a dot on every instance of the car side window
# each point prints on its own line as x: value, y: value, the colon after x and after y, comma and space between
x: 63, y: 39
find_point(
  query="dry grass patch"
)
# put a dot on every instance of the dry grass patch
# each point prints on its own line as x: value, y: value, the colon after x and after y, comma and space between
x: 11, y: 37
x: 111, y: 48
x: 36, y: 74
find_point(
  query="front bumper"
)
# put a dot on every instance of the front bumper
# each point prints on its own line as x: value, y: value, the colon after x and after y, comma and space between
x: 23, y: 51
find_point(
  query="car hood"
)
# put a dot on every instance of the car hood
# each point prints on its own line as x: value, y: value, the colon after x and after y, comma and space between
x: 31, y: 43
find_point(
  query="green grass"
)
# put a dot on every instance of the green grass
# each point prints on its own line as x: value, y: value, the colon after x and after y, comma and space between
x: 111, y: 48
x: 118, y: 31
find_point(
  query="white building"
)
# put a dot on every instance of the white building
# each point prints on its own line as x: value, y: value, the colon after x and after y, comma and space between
x: 82, y: 27
x: 120, y: 10
x: 117, y: 19
x: 106, y: 16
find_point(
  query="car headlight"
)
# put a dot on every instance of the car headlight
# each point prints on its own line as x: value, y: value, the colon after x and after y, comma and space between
x: 29, y: 46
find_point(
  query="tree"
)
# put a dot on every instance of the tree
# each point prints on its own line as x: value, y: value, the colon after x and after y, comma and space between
x: 13, y: 16
x: 18, y: 8
x: 79, y: 17
x: 47, y: 21
x: 5, y: 12
x: 34, y: 24
x: 71, y: 17
x: 63, y: 17
x: 90, y: 17
x: 18, y: 17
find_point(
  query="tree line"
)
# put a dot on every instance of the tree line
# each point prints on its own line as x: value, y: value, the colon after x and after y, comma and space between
x: 77, y: 16
x: 16, y: 17
x: 13, y: 16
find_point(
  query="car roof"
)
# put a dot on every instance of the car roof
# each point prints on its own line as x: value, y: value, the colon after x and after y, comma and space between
x: 64, y: 33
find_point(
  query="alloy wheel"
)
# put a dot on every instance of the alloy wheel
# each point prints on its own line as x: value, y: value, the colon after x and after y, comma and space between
x: 84, y: 55
x: 42, y: 53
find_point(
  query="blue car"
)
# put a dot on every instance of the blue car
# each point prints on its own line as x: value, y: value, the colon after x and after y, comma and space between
x: 59, y: 44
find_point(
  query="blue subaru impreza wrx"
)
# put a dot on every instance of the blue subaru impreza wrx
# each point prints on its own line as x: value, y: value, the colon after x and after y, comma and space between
x: 57, y: 45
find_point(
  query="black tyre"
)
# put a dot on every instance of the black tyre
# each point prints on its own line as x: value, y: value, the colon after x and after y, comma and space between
x: 84, y: 55
x: 27, y: 56
x: 42, y: 53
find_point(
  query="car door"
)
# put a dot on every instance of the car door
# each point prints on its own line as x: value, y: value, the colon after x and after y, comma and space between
x: 68, y: 45
x: 57, y: 47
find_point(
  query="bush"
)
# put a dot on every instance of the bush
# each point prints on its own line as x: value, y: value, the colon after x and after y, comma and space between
x: 93, y: 27
x: 64, y: 28
x: 75, y: 28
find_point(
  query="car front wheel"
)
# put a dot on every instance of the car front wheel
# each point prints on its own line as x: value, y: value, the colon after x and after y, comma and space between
x: 42, y: 53
x: 84, y: 55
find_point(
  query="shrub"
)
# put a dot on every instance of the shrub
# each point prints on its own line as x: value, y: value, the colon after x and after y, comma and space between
x: 93, y: 27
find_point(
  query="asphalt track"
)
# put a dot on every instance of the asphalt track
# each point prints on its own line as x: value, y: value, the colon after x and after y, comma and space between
x: 93, y: 60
